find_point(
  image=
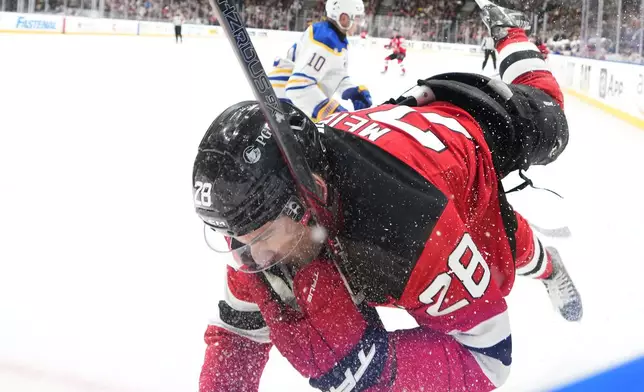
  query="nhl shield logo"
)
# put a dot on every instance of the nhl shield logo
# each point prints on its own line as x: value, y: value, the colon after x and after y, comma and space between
x: 252, y: 154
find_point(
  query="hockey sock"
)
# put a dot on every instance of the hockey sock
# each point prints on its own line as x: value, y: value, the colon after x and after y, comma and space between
x: 538, y: 264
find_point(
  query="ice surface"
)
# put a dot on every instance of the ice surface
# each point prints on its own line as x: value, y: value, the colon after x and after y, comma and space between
x: 106, y: 284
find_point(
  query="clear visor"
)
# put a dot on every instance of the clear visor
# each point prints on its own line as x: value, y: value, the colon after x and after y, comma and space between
x: 287, y: 239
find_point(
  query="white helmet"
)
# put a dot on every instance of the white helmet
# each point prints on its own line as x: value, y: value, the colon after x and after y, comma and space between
x: 335, y: 8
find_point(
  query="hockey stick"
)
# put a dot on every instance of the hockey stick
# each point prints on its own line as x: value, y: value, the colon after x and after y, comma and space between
x: 559, y: 232
x: 269, y: 104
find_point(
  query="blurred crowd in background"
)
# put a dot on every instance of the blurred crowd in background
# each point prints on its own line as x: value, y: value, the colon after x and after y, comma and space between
x: 601, y: 29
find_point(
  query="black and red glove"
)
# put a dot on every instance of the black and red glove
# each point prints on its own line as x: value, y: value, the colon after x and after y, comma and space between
x: 327, y: 339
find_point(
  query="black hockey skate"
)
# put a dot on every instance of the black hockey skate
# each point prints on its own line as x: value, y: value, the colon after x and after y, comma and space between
x: 563, y: 294
x: 499, y: 19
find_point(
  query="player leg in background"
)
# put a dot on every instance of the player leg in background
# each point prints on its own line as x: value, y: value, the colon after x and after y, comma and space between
x: 390, y: 57
x: 493, y: 54
x: 487, y: 54
x: 535, y: 261
x: 401, y: 58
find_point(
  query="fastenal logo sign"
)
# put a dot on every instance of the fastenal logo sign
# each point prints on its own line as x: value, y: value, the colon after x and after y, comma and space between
x: 35, y: 24
x: 252, y: 154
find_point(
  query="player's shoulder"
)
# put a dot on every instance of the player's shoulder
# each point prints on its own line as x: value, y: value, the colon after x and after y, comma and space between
x: 322, y: 33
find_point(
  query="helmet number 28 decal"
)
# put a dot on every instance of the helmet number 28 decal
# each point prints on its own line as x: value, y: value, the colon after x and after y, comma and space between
x: 202, y: 194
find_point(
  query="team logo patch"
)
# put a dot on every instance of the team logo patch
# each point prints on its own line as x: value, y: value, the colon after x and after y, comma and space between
x: 252, y: 154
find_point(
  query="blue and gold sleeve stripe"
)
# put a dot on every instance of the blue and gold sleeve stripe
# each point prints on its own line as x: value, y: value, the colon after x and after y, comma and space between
x: 324, y: 109
x: 299, y: 81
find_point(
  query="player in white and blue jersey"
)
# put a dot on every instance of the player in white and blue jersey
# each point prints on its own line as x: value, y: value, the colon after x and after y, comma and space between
x: 315, y: 67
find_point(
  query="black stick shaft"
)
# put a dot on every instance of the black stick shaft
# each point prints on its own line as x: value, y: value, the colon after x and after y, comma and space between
x: 268, y: 102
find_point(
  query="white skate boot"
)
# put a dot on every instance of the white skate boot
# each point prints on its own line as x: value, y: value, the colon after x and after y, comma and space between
x: 499, y: 19
x: 563, y: 294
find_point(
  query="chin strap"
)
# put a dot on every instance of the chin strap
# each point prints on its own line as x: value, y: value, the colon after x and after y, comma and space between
x: 527, y: 182
x: 557, y: 232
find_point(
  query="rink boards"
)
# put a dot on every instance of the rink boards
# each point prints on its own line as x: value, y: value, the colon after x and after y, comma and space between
x: 60, y: 24
x: 617, y: 88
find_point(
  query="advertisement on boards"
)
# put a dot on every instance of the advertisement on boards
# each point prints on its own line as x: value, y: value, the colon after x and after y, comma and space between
x: 80, y: 25
x: 30, y: 23
x: 155, y: 29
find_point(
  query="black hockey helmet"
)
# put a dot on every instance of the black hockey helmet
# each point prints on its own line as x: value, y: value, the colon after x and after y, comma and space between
x: 240, y: 179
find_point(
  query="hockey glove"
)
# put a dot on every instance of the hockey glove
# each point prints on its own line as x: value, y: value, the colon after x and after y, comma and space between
x: 327, y: 339
x: 326, y: 108
x: 360, y: 96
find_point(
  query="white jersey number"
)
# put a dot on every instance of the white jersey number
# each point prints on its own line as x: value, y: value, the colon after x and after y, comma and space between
x: 393, y: 117
x: 465, y: 273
